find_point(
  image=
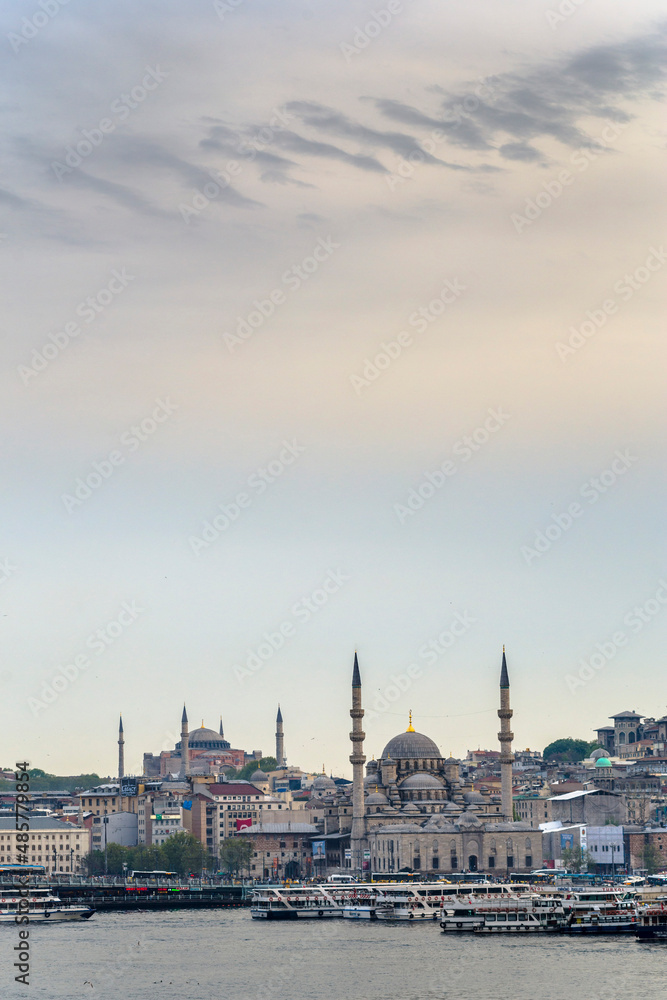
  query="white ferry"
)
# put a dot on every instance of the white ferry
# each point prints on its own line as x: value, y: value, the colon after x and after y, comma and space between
x: 42, y: 906
x: 525, y: 914
x: 652, y: 922
x: 419, y: 901
x: 275, y: 902
x: 600, y: 911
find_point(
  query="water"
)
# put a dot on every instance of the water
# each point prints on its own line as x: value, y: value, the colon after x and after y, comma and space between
x: 225, y: 955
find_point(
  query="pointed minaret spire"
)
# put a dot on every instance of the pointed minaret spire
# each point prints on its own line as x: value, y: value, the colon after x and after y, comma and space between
x: 280, y: 740
x: 356, y: 676
x: 504, y: 676
x: 505, y: 737
x: 121, y: 750
x: 185, y: 746
x: 357, y: 760
x: 222, y: 732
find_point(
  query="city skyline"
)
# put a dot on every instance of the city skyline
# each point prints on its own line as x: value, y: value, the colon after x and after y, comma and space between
x: 349, y: 339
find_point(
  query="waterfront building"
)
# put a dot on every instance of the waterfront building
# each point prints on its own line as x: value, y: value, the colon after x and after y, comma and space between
x: 114, y: 828
x: 220, y: 810
x: 101, y: 799
x: 58, y: 846
x: 412, y: 811
x: 281, y: 850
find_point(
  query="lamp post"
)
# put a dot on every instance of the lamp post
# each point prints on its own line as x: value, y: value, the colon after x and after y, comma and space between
x: 105, y: 820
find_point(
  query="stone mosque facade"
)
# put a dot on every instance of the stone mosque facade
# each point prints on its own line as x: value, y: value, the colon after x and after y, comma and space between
x: 413, y: 811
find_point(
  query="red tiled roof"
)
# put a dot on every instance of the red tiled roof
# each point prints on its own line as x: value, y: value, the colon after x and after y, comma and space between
x: 233, y: 788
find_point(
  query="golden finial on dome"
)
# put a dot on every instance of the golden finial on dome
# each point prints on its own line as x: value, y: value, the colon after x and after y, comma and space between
x: 410, y: 728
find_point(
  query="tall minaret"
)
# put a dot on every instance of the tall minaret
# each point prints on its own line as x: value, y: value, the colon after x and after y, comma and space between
x: 185, y: 745
x: 222, y: 732
x: 505, y: 736
x: 121, y: 750
x: 357, y: 759
x: 280, y: 740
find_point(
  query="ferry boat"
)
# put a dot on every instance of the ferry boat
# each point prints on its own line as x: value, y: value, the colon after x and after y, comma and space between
x: 528, y: 914
x: 600, y: 911
x: 43, y: 906
x: 652, y: 922
x: 361, y: 900
x: 419, y: 901
x: 275, y: 902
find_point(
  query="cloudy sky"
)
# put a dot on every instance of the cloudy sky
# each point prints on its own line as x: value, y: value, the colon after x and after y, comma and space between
x: 329, y: 326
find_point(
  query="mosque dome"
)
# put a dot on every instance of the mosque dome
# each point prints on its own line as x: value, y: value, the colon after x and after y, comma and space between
x: 421, y: 781
x: 377, y: 799
x: 603, y: 762
x: 474, y: 798
x: 597, y: 754
x: 205, y: 739
x: 322, y: 783
x: 411, y: 744
x: 259, y: 775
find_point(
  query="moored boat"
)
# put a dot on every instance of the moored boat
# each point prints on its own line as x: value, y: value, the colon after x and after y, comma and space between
x: 39, y: 906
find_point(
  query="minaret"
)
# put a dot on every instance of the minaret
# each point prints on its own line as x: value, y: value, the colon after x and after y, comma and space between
x: 222, y: 732
x: 280, y: 740
x: 185, y: 745
x: 357, y: 759
x: 121, y: 750
x: 505, y: 736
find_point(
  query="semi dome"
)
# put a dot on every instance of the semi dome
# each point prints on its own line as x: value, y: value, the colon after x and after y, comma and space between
x: 411, y: 744
x: 421, y: 781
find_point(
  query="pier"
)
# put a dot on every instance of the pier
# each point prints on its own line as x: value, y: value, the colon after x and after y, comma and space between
x: 134, y: 894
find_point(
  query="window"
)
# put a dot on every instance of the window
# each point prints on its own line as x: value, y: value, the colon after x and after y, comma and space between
x: 492, y: 862
x: 436, y: 862
x: 510, y: 861
x: 529, y: 861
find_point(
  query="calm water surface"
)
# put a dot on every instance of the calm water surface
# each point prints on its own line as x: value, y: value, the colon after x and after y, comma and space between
x: 194, y: 955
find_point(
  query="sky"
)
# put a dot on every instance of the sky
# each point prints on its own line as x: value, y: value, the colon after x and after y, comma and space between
x: 329, y: 327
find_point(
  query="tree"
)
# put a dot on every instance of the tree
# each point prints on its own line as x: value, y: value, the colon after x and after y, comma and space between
x: 652, y: 859
x: 576, y: 860
x: 265, y: 764
x: 567, y: 750
x: 235, y: 854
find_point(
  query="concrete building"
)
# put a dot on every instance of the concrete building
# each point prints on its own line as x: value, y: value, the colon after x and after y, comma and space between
x: 114, y: 828
x: 58, y: 846
x: 281, y: 850
x: 220, y: 810
x: 592, y: 807
x: 101, y: 799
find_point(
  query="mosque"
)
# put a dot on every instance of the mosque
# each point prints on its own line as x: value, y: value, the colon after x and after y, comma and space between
x: 411, y: 811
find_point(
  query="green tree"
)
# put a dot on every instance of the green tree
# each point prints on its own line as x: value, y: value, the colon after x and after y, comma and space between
x: 265, y: 764
x: 576, y: 860
x: 567, y: 750
x: 652, y: 859
x: 235, y: 854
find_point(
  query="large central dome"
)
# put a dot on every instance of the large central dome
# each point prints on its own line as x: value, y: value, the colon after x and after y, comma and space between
x: 205, y: 739
x: 410, y: 744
